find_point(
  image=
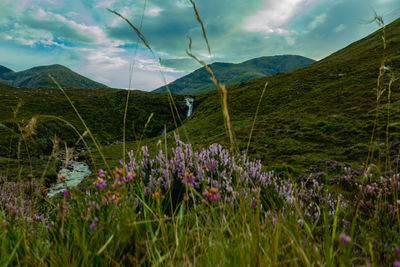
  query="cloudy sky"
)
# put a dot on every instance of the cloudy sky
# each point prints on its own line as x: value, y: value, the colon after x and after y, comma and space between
x: 84, y: 36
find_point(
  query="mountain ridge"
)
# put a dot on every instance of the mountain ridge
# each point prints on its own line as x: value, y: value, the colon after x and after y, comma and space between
x: 199, y: 81
x: 38, y: 76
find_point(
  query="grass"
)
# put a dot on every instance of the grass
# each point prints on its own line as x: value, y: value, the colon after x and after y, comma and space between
x: 177, y: 203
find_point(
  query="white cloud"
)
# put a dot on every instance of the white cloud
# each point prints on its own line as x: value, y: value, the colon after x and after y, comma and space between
x: 318, y: 20
x: 104, y: 3
x: 275, y: 15
x: 73, y: 14
x: 154, y: 11
x: 183, y: 3
x: 110, y: 64
x: 126, y: 11
x: 340, y: 28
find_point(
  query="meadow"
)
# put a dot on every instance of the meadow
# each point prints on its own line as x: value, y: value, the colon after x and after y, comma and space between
x: 207, y: 191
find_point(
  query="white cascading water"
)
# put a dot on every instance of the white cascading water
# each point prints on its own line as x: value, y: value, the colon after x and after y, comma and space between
x: 189, y: 103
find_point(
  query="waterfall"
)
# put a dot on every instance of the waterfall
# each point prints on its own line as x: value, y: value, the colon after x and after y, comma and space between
x: 189, y: 103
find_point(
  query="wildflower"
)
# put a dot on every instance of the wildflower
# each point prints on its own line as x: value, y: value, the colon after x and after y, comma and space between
x: 211, y: 194
x: 110, y: 198
x: 61, y: 177
x: 131, y: 176
x: 158, y: 194
x: 96, y: 219
x: 396, y: 264
x: 206, y: 194
x: 204, y: 167
x: 215, y: 197
x: 101, y: 173
x: 92, y: 226
x: 118, y: 172
x: 100, y: 183
x: 397, y: 252
x: 65, y: 192
x: 254, y: 204
x: 344, y: 238
x: 188, y: 179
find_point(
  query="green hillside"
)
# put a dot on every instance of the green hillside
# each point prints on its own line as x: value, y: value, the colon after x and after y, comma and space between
x: 102, y: 110
x: 199, y: 82
x: 323, y: 111
x: 39, y: 77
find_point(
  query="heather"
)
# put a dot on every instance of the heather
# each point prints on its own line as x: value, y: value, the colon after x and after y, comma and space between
x: 204, y: 207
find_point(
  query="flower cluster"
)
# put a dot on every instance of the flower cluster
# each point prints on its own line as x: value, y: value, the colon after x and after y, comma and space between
x: 20, y: 201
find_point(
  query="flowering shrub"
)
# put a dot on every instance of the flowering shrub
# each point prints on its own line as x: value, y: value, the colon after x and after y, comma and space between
x: 211, y: 176
x: 19, y: 201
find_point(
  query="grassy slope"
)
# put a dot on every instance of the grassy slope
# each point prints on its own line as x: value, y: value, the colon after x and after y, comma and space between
x: 322, y: 111
x: 199, y: 82
x: 102, y: 110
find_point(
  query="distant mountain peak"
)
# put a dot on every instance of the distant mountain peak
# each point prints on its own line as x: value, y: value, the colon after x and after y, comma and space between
x: 199, y: 81
x: 39, y: 77
x: 4, y: 70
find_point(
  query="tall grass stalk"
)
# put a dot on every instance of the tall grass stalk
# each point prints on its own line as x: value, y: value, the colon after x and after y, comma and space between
x: 83, y: 123
x: 172, y: 104
x: 255, y: 117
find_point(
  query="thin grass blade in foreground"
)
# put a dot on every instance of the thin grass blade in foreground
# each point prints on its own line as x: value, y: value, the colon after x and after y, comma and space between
x: 83, y: 122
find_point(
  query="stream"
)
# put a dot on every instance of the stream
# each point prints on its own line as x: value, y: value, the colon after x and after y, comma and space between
x: 75, y: 172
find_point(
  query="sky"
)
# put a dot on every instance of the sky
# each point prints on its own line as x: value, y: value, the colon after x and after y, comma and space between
x: 84, y: 36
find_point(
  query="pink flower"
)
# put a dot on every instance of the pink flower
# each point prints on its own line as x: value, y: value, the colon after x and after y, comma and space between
x: 344, y: 238
x: 100, y: 183
x: 96, y: 219
x: 206, y: 194
x: 254, y: 204
x: 215, y: 197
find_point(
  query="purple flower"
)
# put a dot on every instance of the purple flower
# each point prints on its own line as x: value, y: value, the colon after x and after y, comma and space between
x: 206, y: 194
x: 254, y: 204
x: 100, y: 173
x: 96, y: 219
x: 215, y: 197
x: 65, y: 192
x: 397, y: 252
x: 100, y: 183
x: 344, y: 238
x: 92, y: 226
x: 396, y: 264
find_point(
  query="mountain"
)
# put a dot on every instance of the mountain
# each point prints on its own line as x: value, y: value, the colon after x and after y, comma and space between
x: 199, y: 81
x: 4, y: 70
x: 38, y: 77
x: 323, y: 111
